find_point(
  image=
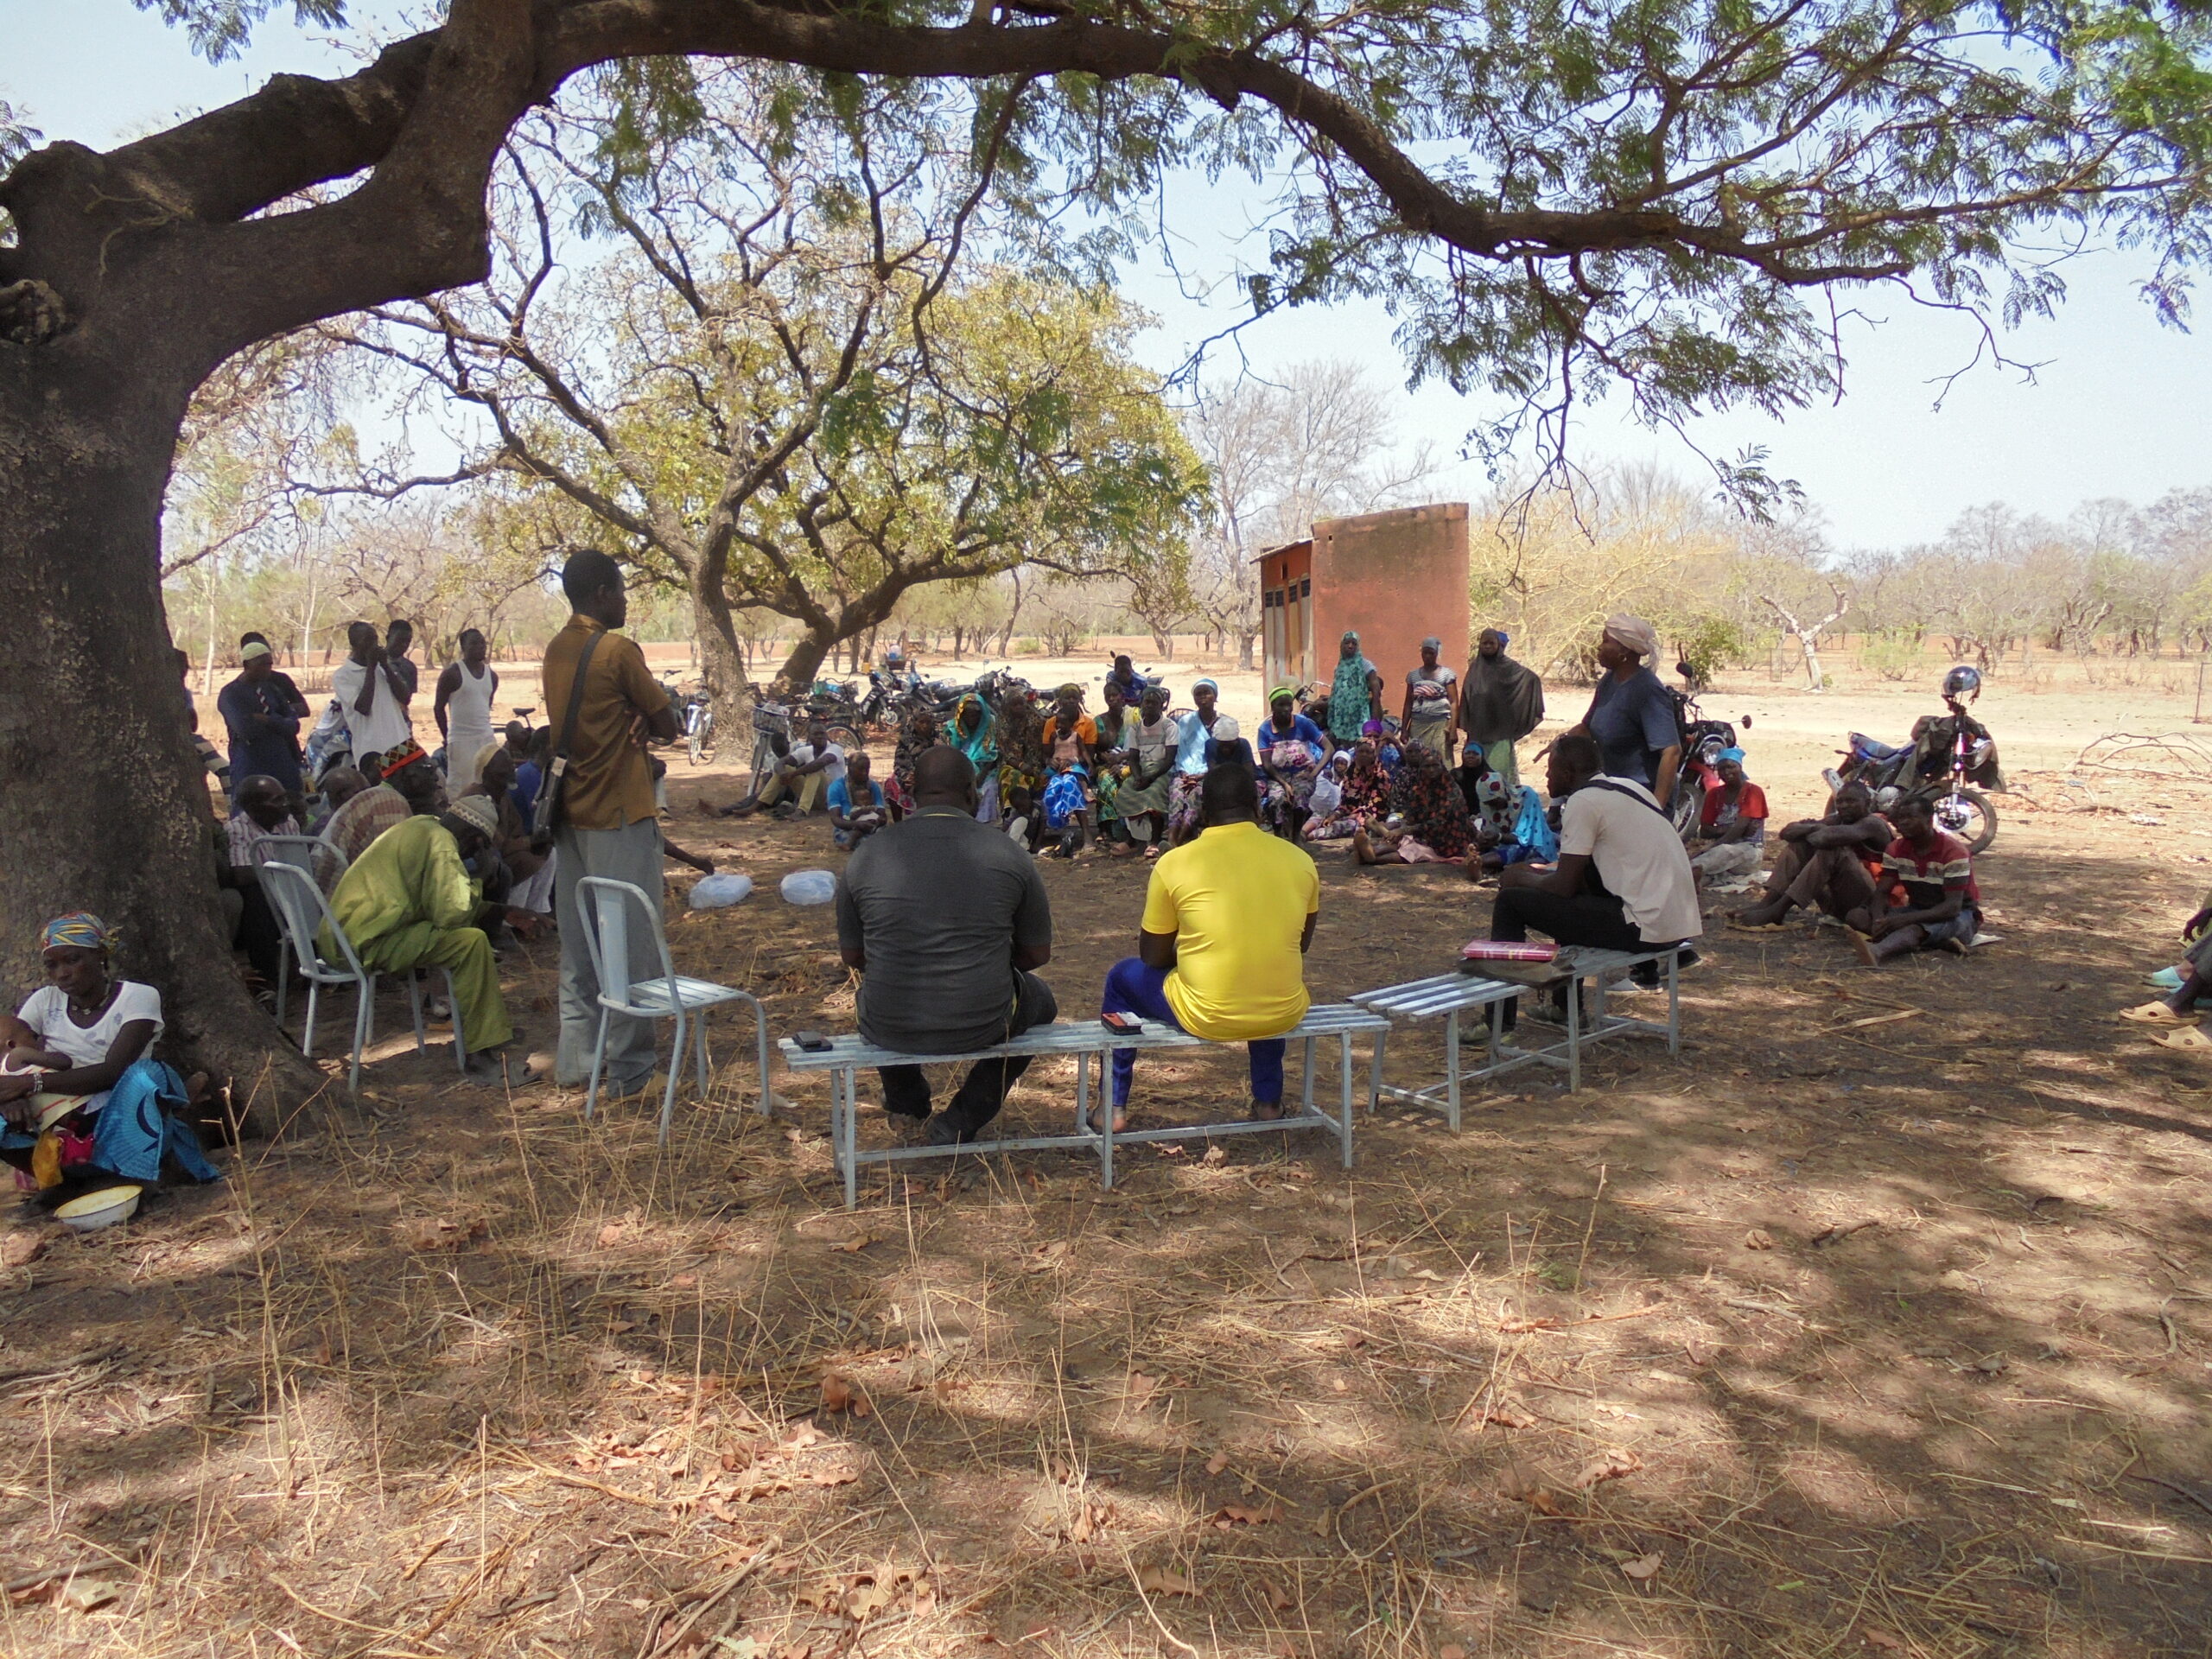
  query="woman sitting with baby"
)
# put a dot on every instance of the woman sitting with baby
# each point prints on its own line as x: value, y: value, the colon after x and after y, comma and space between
x: 84, y: 1102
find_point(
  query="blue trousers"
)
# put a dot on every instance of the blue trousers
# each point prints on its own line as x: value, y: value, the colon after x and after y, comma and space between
x: 1132, y: 988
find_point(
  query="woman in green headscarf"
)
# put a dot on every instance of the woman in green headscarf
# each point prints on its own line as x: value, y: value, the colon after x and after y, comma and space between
x: 1354, y: 693
x: 973, y: 730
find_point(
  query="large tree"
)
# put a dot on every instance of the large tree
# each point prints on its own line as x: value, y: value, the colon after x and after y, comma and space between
x: 1658, y: 191
x: 781, y: 357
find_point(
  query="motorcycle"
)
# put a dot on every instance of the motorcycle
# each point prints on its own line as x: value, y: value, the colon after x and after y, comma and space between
x: 1702, y: 741
x: 1962, y: 754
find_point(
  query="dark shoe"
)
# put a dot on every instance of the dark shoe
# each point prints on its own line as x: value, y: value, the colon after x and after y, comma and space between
x: 943, y: 1132
x: 1687, y: 957
x: 489, y: 1065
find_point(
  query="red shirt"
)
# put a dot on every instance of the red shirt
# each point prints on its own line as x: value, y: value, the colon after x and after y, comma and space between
x: 1946, y: 866
x: 1751, y: 804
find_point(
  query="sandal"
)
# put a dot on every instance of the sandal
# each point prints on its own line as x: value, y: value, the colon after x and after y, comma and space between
x: 1737, y: 923
x: 2155, y: 1014
x: 2190, y: 1041
x: 1262, y: 1112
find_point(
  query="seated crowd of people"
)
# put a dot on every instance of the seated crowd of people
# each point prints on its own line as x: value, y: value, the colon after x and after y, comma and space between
x: 433, y: 862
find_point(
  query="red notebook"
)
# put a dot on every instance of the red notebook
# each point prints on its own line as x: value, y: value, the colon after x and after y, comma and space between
x: 1506, y: 950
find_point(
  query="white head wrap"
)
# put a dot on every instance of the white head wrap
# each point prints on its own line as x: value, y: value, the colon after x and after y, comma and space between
x: 1633, y: 633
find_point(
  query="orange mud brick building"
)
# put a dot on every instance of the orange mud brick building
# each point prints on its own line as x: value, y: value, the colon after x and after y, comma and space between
x: 1393, y: 577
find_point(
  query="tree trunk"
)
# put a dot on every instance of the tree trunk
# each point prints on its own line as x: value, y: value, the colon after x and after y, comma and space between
x: 805, y: 661
x: 105, y: 806
x: 1244, y: 639
x: 722, y: 662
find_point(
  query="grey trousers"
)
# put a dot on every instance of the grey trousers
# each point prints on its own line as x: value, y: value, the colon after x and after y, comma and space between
x: 631, y: 854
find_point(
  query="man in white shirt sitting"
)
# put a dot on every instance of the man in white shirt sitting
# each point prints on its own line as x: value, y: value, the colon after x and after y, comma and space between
x: 1623, y: 881
x: 806, y: 773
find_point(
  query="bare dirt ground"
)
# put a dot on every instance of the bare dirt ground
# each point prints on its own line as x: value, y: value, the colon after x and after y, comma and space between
x: 1875, y: 1324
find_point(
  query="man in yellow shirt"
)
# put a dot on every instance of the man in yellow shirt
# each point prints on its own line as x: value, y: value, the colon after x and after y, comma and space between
x: 1228, y: 919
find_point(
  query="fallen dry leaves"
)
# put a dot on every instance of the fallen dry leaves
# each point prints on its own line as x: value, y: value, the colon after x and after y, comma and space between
x: 1229, y: 1517
x: 1165, y: 1581
x: 1613, y: 1466
x: 843, y: 1393
x: 436, y: 1233
x: 1642, y: 1569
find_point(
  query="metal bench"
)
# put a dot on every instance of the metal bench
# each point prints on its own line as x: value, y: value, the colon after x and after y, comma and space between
x: 1450, y: 995
x: 1083, y: 1041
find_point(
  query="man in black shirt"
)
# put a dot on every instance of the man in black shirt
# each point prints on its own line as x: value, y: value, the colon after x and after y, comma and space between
x: 946, y: 921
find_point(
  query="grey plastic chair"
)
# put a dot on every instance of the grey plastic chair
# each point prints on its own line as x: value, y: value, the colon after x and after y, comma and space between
x: 605, y: 908
x: 320, y: 859
x: 304, y: 913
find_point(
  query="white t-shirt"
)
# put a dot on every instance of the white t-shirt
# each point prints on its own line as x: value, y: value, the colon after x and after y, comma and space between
x: 803, y: 753
x: 385, y: 727
x: 1432, y: 689
x: 1638, y: 856
x: 46, y: 1011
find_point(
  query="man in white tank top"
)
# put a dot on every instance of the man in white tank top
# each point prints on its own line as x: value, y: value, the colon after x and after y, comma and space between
x: 463, y: 709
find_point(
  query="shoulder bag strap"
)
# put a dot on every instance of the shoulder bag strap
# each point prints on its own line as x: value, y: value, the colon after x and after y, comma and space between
x: 546, y: 809
x: 1611, y: 788
x: 575, y: 703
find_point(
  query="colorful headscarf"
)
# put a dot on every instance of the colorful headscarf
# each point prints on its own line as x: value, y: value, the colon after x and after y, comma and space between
x: 982, y: 745
x: 1737, y: 755
x: 80, y: 929
x: 1281, y: 692
x: 1211, y: 685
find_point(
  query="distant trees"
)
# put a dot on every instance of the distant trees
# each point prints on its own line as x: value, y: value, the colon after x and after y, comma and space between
x: 2112, y: 579
x: 1318, y: 443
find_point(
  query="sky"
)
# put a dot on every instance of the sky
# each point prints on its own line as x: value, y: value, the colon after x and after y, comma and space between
x: 2118, y: 406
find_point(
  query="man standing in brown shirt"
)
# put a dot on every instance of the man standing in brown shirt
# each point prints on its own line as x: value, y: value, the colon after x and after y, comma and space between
x: 608, y: 825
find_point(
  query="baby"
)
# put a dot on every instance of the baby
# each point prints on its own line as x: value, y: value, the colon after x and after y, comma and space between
x: 19, y: 1049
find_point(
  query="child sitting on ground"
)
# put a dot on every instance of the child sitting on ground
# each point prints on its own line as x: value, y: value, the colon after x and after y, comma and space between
x: 850, y: 826
x: 1021, y: 817
x: 1330, y: 822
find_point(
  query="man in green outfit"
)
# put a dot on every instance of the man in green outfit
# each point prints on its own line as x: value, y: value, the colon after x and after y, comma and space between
x: 409, y: 903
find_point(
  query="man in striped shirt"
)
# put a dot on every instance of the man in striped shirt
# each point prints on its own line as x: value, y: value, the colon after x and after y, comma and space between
x: 1927, y: 899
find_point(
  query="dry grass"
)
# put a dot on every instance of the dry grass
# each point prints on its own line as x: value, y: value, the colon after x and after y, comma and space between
x: 469, y: 1375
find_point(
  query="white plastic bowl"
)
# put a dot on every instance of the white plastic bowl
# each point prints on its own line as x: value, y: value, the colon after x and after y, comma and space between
x: 98, y: 1210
